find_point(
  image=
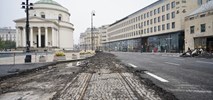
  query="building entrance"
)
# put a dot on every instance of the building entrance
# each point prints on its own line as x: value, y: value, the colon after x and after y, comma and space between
x: 210, y: 44
x: 42, y: 41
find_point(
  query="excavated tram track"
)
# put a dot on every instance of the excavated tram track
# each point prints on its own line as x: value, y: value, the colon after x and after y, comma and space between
x: 102, y: 77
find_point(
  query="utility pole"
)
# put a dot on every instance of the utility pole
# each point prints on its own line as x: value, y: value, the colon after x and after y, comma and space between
x: 92, y: 14
x: 27, y: 7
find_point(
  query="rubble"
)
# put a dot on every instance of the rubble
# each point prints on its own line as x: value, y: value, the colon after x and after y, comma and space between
x: 101, y: 77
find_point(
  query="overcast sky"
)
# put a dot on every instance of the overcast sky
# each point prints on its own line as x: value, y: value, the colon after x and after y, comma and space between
x: 107, y: 12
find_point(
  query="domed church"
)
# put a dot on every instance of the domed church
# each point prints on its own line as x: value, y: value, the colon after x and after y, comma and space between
x: 50, y: 27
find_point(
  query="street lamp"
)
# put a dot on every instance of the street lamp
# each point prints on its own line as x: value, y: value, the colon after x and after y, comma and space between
x: 92, y: 14
x: 27, y: 7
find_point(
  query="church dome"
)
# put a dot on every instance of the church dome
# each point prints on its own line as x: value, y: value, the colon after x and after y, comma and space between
x: 47, y: 2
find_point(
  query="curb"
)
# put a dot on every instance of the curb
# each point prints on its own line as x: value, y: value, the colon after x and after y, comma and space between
x: 24, y: 72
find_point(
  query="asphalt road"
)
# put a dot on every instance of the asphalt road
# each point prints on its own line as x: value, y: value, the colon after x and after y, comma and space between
x: 186, y: 78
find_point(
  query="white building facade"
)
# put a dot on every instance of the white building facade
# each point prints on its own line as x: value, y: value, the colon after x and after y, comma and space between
x: 7, y: 34
x: 50, y: 27
x: 157, y: 27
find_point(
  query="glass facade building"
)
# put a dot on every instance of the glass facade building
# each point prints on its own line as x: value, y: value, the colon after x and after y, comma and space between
x: 173, y: 42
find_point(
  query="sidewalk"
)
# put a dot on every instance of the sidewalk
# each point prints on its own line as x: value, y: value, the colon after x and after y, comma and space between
x: 8, y: 68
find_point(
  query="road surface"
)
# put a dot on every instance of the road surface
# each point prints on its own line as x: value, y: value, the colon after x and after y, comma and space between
x: 186, y: 78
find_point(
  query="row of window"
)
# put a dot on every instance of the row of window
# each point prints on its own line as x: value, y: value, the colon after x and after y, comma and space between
x: 145, y: 23
x: 145, y: 31
x: 200, y: 2
x: 43, y: 16
x: 146, y: 15
x: 202, y: 28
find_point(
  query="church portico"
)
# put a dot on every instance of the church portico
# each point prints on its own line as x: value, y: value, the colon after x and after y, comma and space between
x: 40, y: 37
x: 47, y: 30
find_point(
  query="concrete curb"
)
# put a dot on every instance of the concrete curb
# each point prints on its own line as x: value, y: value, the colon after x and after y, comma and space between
x: 39, y: 67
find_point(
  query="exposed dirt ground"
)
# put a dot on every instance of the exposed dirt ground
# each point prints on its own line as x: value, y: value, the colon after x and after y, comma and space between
x: 102, y: 77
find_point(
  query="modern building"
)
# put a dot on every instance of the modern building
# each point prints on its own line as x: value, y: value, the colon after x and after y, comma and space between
x: 50, y: 26
x: 157, y: 27
x: 103, y: 37
x: 7, y: 34
x: 199, y: 28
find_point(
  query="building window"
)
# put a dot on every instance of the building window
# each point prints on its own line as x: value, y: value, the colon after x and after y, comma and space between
x: 147, y: 22
x: 144, y: 16
x: 163, y: 8
x: 203, y: 27
x: 177, y: 3
x: 200, y: 2
x: 158, y: 10
x: 173, y: 4
x: 168, y: 26
x: 203, y: 15
x: 173, y: 14
x: 141, y: 17
x: 159, y: 28
x: 147, y: 30
x: 154, y: 20
x: 151, y: 29
x: 150, y: 13
x: 192, y: 29
x: 60, y: 17
x: 168, y: 16
x: 163, y: 27
x: 167, y: 6
x: 192, y: 18
x: 163, y: 18
x: 159, y: 19
x: 155, y: 11
x: 144, y: 23
x: 141, y: 24
x: 151, y: 21
x: 183, y: 1
x: 155, y: 29
x: 173, y: 25
x: 147, y: 14
x: 144, y: 31
x: 42, y: 15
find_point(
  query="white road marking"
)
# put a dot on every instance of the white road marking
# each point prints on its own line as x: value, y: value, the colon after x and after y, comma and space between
x: 153, y: 75
x: 156, y: 77
x: 204, y: 62
x: 192, y: 91
x: 179, y: 59
x: 132, y: 65
x: 172, y: 63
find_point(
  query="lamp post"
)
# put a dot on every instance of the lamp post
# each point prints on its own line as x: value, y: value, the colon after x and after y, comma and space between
x: 92, y: 14
x: 27, y: 7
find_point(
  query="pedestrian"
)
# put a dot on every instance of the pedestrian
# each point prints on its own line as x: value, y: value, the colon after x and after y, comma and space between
x: 189, y: 51
x: 141, y: 48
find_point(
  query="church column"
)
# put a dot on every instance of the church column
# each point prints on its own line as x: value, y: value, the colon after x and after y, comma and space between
x: 17, y: 36
x: 53, y: 37
x: 31, y: 37
x: 39, y: 36
x: 46, y: 36
x: 24, y: 37
x: 57, y: 40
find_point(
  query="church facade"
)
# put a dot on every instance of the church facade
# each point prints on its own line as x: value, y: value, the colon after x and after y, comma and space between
x: 50, y: 27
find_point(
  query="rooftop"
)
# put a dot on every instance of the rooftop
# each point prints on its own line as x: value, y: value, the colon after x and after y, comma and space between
x: 47, y: 2
x: 203, y: 8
